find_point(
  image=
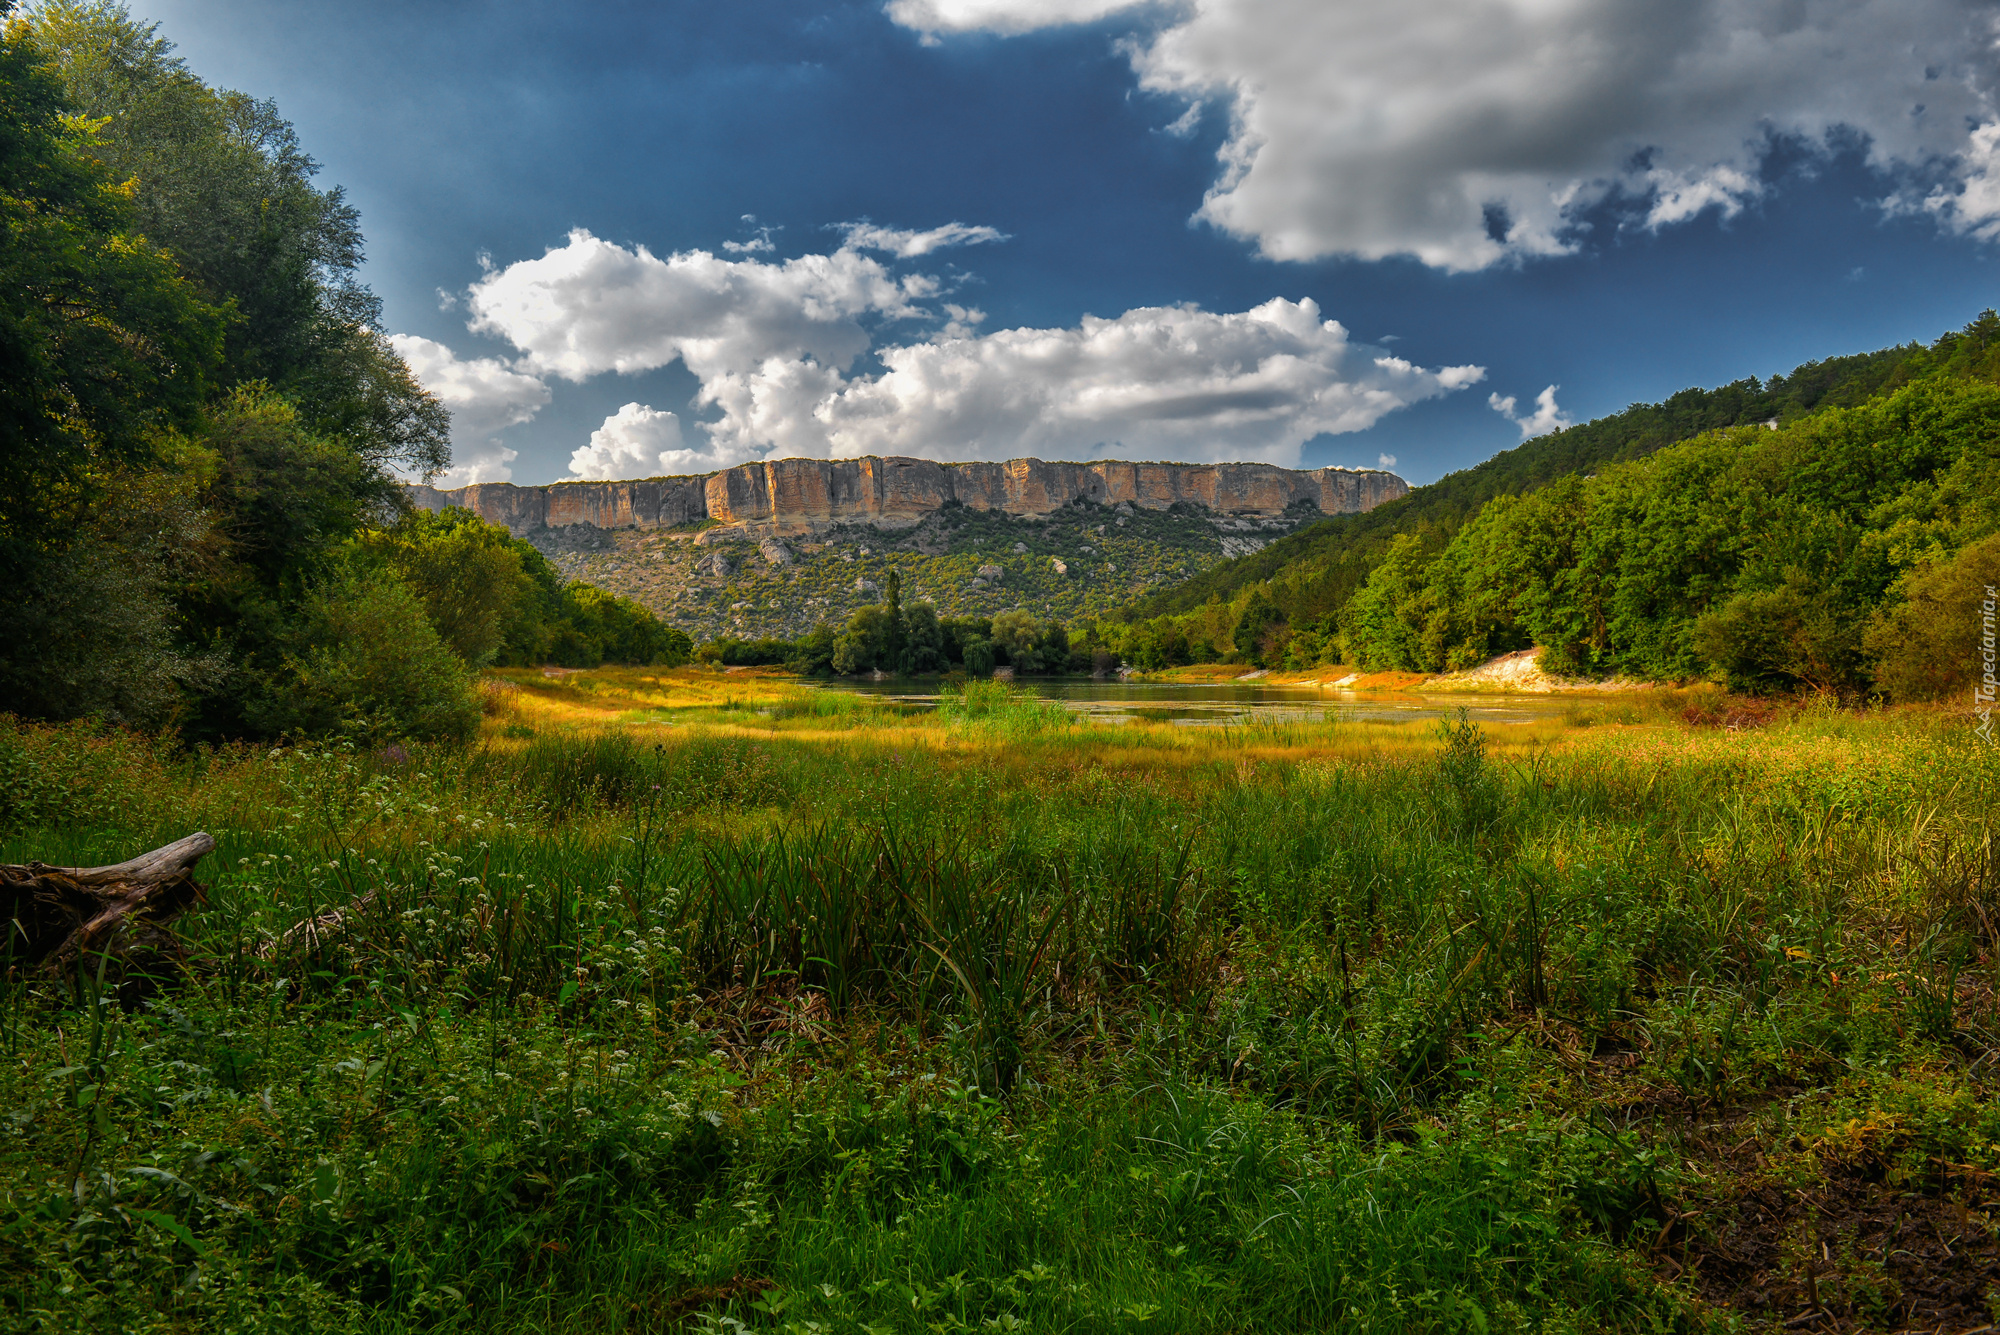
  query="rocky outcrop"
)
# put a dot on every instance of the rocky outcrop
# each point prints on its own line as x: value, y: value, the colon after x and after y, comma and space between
x: 807, y: 495
x: 656, y: 503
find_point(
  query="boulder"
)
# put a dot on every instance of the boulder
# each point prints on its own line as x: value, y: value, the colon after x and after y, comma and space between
x: 989, y: 572
x: 775, y: 552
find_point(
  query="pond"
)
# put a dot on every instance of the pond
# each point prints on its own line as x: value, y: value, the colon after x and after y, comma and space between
x: 1199, y: 703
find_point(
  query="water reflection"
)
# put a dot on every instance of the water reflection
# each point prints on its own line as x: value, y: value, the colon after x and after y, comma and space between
x: 1211, y: 703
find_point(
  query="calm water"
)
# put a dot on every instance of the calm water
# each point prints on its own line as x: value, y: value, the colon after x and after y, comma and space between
x: 1232, y: 702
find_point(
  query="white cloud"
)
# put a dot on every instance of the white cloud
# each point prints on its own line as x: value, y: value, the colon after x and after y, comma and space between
x: 1971, y: 204
x: 1385, y: 461
x: 1161, y: 382
x: 588, y: 306
x: 1005, y: 16
x: 909, y: 245
x: 760, y: 239
x: 641, y: 441
x: 1467, y: 132
x: 772, y: 344
x: 629, y: 444
x: 485, y: 396
x: 1546, y: 417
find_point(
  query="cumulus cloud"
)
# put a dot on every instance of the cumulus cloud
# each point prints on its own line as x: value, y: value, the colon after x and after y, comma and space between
x: 641, y: 441
x: 909, y: 245
x: 630, y: 444
x: 1385, y: 461
x: 1971, y: 203
x: 1174, y: 381
x: 589, y: 306
x: 1546, y: 417
x: 485, y: 396
x: 1467, y: 132
x: 773, y: 345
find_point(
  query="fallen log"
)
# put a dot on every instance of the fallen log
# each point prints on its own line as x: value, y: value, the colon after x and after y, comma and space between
x: 58, y: 916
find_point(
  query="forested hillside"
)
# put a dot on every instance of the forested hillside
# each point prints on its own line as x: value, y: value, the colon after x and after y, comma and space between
x: 1821, y: 530
x: 203, y: 427
x: 1327, y: 561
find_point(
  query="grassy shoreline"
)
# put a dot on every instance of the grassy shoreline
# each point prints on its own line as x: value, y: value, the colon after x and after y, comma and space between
x: 749, y: 1016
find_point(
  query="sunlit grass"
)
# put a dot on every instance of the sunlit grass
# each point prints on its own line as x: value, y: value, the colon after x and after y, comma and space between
x: 695, y: 1000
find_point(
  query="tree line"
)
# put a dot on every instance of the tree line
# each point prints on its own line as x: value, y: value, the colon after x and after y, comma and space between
x: 203, y: 429
x: 912, y: 639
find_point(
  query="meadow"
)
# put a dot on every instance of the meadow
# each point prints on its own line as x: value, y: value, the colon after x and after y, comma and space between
x: 689, y: 1000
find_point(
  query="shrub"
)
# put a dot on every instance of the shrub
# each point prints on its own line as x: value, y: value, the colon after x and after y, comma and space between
x: 1925, y: 646
x: 368, y: 665
x: 75, y: 774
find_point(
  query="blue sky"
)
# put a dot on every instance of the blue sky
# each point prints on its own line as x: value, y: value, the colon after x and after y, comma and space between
x: 1616, y: 197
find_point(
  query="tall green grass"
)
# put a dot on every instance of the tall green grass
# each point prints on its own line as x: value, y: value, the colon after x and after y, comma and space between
x: 1001, y: 709
x: 598, y: 1034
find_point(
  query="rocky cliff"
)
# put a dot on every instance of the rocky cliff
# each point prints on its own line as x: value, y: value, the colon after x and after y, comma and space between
x: 809, y: 495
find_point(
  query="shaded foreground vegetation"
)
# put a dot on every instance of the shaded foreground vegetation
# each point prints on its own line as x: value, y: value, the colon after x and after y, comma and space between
x: 774, y: 1010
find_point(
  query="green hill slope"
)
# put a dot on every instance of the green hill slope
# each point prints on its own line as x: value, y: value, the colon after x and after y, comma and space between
x: 1322, y: 564
x: 1819, y: 530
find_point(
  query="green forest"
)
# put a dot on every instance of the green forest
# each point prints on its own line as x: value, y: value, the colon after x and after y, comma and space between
x: 204, y: 430
x: 1805, y: 533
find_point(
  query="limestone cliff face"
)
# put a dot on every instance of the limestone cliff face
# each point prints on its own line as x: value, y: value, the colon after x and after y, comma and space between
x: 801, y: 495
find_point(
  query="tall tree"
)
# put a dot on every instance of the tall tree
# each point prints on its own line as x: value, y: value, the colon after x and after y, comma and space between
x: 221, y: 182
x: 893, y: 651
x: 103, y: 345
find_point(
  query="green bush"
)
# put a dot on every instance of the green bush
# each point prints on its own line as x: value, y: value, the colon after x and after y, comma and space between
x: 368, y: 665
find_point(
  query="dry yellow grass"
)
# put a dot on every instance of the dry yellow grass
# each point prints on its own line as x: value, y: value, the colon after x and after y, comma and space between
x: 667, y: 703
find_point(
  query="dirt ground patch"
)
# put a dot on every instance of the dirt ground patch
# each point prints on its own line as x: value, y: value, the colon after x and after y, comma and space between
x: 1851, y: 1253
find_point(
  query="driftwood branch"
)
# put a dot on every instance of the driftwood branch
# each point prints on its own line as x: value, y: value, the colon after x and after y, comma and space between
x: 56, y: 916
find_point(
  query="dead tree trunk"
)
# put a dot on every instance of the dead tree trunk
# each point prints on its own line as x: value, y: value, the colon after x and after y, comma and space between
x: 59, y: 917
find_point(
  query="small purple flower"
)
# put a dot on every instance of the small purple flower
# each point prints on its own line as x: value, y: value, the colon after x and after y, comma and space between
x: 393, y: 755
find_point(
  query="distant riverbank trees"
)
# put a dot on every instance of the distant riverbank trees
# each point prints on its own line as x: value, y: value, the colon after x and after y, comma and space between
x: 914, y: 640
